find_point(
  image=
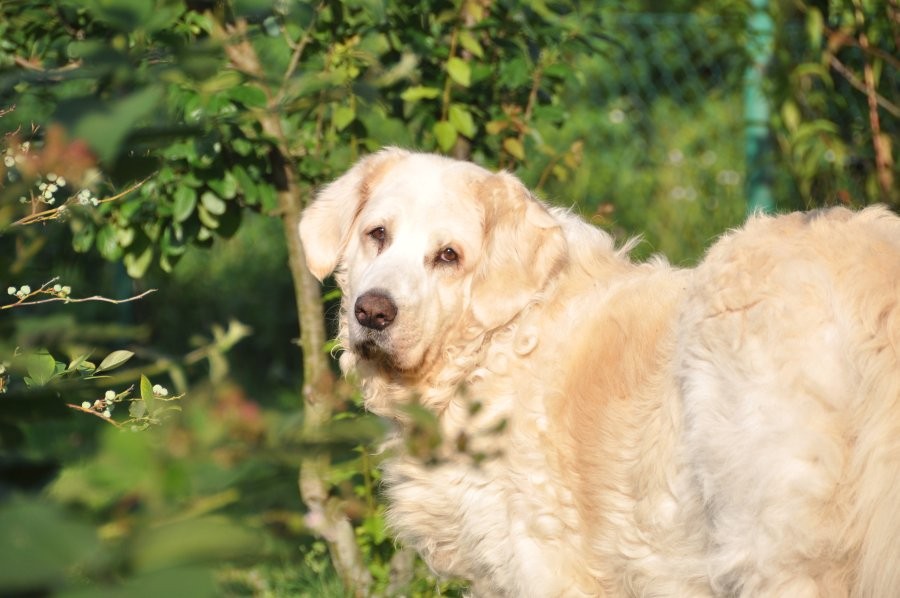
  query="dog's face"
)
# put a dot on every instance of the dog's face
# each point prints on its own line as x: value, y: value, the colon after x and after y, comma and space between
x: 427, y: 248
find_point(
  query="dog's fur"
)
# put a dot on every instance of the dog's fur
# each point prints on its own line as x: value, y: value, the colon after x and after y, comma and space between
x: 611, y: 428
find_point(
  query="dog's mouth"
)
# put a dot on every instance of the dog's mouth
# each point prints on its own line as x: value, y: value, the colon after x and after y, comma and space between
x: 376, y: 354
x: 371, y: 350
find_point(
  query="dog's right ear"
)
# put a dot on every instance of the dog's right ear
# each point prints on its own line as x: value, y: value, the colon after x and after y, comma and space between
x: 326, y: 224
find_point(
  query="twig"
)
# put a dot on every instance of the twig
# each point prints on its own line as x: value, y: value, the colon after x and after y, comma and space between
x: 851, y: 78
x: 43, y: 289
x: 53, y: 213
x: 30, y: 66
x: 81, y: 300
x: 108, y: 420
x: 297, y: 54
x: 882, y: 149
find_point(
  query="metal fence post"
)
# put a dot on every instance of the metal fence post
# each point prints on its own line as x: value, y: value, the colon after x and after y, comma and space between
x: 758, y: 144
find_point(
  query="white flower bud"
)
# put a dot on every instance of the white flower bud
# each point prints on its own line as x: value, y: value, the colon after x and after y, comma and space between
x: 110, y: 395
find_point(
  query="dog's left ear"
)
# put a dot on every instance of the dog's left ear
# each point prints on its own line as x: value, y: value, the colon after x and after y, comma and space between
x: 524, y: 248
x: 325, y: 226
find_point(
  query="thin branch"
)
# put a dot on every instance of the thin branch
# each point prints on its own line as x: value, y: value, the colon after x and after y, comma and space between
x: 851, y: 78
x: 876, y: 52
x: 30, y: 66
x: 108, y: 420
x: 81, y: 300
x: 882, y: 149
x: 297, y: 54
x: 53, y: 213
x: 65, y: 299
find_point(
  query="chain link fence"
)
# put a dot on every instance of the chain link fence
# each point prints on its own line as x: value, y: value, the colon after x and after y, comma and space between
x: 666, y: 145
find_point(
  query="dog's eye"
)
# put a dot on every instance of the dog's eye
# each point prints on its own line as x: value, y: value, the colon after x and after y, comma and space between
x: 379, y: 235
x: 448, y: 255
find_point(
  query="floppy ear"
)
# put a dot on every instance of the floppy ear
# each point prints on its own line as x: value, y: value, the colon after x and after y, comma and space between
x: 326, y: 224
x: 524, y: 248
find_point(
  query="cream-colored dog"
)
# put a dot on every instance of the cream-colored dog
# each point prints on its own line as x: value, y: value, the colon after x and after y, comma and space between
x: 612, y: 428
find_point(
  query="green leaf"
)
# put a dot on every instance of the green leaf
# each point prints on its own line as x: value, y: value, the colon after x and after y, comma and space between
x: 125, y: 236
x: 147, y: 395
x: 268, y: 198
x: 107, y: 244
x: 185, y: 202
x: 213, y: 203
x: 343, y: 116
x: 445, y: 133
x: 206, y: 219
x: 137, y: 409
x: 250, y: 96
x: 419, y: 92
x: 468, y: 41
x: 41, y: 367
x: 225, y: 187
x: 245, y: 184
x: 459, y: 71
x: 136, y: 264
x: 814, y: 26
x: 114, y: 360
x: 514, y: 148
x: 462, y: 120
x: 80, y: 363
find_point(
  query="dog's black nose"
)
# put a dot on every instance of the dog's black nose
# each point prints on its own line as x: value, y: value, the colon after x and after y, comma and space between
x: 375, y: 310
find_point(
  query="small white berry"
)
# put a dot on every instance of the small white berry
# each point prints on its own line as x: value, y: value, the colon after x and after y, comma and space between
x: 160, y: 390
x: 25, y: 290
x: 106, y: 413
x: 110, y: 395
x: 11, y: 291
x: 86, y: 405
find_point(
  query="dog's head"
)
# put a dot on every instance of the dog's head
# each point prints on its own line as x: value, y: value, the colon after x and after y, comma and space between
x: 428, y: 249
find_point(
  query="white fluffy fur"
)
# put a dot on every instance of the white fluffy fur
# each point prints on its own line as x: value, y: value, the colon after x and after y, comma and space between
x: 620, y: 429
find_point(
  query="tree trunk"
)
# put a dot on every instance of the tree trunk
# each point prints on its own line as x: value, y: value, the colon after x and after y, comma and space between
x: 325, y: 517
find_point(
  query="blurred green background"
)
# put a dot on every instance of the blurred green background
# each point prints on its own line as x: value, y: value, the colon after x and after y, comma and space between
x: 161, y: 145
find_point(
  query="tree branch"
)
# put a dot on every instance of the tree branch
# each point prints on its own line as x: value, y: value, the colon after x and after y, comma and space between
x: 880, y: 145
x: 325, y: 516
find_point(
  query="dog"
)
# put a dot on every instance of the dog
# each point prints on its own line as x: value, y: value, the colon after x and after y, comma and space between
x: 613, y: 428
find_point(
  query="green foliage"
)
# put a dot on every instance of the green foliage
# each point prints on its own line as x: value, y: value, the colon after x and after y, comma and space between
x: 834, y: 84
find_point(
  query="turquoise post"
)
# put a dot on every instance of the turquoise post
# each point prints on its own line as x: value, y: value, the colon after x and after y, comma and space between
x: 758, y: 142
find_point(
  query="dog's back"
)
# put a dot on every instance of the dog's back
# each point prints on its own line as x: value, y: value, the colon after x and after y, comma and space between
x: 789, y: 350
